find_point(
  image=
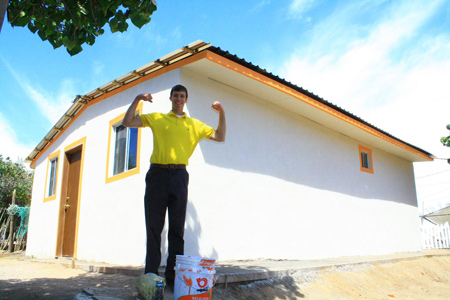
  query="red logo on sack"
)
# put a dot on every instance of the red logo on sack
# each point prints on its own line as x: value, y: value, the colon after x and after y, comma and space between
x: 204, y: 280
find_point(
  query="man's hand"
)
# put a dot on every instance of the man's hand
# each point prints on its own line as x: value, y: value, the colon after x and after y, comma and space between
x: 145, y: 97
x: 219, y: 133
x: 217, y: 106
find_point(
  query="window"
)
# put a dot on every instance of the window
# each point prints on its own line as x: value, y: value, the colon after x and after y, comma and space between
x: 365, y: 155
x: 125, y: 154
x: 53, y: 171
x: 51, y: 179
x: 122, y: 159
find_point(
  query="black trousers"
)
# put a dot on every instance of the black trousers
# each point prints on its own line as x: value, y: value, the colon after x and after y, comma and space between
x: 165, y: 189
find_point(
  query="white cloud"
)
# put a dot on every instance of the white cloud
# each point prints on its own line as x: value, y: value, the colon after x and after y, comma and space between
x: 51, y: 105
x: 365, y: 79
x: 386, y: 72
x: 98, y: 68
x: 261, y: 4
x: 156, y: 40
x: 10, y: 146
x: 176, y: 33
x: 50, y: 108
x: 299, y: 7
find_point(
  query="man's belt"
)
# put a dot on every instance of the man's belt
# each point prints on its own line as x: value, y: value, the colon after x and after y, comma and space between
x: 169, y: 166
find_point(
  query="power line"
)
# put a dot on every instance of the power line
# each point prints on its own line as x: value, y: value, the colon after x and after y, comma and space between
x: 432, y: 200
x: 437, y: 183
x: 432, y: 174
x: 435, y: 193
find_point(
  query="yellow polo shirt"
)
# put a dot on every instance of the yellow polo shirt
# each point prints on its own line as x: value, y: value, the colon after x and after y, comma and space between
x: 174, y: 138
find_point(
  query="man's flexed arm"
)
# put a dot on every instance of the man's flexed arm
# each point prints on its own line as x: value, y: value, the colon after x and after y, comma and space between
x: 130, y: 119
x: 219, y: 134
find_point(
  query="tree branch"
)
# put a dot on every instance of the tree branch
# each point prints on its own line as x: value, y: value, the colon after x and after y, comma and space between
x: 3, y: 6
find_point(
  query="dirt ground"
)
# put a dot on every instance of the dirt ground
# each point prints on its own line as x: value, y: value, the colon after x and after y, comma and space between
x: 421, y: 278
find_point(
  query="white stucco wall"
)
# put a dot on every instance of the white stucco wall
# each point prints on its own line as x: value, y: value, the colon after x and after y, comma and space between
x: 42, y: 223
x: 281, y: 186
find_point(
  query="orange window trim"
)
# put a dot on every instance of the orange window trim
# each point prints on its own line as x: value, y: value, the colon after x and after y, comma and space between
x: 363, y: 149
x: 128, y: 173
x: 50, y: 158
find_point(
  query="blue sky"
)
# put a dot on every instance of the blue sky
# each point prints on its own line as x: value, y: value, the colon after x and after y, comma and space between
x: 388, y: 62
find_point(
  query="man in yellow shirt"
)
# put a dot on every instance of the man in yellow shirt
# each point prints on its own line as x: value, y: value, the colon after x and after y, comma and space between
x: 175, y: 137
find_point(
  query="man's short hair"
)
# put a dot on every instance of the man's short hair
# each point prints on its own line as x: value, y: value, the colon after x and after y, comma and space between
x: 179, y: 88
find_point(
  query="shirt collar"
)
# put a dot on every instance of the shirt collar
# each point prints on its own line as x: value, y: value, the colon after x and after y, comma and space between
x: 172, y: 114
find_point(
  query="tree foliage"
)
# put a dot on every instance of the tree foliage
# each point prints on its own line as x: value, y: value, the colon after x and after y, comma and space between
x: 71, y: 23
x: 14, y: 176
x: 446, y: 140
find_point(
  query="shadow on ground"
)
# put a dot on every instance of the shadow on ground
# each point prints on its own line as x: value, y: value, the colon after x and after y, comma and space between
x: 117, y: 285
x: 123, y: 287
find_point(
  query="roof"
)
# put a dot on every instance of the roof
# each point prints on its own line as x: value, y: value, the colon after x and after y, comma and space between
x: 145, y: 72
x: 440, y: 216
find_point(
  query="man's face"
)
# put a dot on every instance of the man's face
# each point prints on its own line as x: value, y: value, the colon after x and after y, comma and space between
x: 178, y: 99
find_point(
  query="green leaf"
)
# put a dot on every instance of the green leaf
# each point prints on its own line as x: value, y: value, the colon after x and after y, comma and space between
x: 22, y: 21
x: 33, y: 28
x: 82, y: 9
x: 75, y: 50
x: 114, y: 25
x: 139, y: 19
x: 49, y: 31
x: 56, y: 42
x: 90, y: 39
x: 42, y: 35
x: 446, y: 141
x: 70, y: 44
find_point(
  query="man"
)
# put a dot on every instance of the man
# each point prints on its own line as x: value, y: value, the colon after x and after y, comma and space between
x: 175, y: 137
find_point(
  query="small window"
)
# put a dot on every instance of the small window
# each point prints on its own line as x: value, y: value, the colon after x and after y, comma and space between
x: 51, y: 179
x: 53, y: 172
x: 122, y: 159
x: 365, y: 155
x: 125, y: 154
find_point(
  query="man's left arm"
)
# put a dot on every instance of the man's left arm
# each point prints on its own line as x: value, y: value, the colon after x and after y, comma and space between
x: 220, y: 132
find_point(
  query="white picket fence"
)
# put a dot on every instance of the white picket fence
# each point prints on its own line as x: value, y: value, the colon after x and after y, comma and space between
x: 436, y: 236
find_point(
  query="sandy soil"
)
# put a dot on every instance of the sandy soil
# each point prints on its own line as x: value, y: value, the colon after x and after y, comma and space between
x: 422, y: 278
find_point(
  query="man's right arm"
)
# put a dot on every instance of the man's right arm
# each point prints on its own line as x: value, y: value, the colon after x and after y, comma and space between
x: 130, y: 119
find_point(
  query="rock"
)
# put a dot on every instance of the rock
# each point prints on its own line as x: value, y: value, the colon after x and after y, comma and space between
x: 145, y: 284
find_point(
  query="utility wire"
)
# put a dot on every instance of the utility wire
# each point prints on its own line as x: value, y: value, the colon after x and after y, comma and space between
x: 432, y: 174
x: 432, y: 200
x: 429, y: 184
x: 435, y: 193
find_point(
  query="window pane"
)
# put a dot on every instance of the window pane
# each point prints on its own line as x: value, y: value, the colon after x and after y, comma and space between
x: 365, y: 160
x: 120, y: 149
x: 132, y: 148
x: 52, y: 183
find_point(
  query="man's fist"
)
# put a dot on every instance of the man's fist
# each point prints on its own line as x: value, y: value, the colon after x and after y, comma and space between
x: 217, y: 106
x: 145, y: 97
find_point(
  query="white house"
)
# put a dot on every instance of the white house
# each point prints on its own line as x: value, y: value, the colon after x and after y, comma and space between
x: 297, y: 178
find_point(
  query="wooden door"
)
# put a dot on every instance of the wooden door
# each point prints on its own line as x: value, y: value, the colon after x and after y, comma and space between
x: 71, y: 203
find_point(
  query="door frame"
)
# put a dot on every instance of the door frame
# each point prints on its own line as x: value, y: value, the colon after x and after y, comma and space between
x: 74, y: 147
